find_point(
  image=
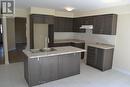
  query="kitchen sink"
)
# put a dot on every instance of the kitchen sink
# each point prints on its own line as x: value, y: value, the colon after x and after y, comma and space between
x: 42, y: 50
x: 47, y: 49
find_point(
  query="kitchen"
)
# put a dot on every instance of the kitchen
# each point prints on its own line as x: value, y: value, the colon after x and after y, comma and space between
x: 68, y: 45
x: 62, y: 56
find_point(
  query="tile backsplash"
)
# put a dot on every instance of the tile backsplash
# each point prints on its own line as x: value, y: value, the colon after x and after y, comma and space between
x: 88, y: 37
x: 93, y: 38
x: 63, y: 35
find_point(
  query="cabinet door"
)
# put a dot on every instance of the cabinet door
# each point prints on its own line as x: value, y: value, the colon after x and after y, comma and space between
x: 105, y: 24
x: 59, y: 24
x: 49, y: 19
x: 77, y: 22
x: 56, y: 24
x: 98, y: 24
x: 100, y: 53
x: 48, y: 69
x: 69, y: 65
x: 91, y: 56
x: 110, y: 24
x: 63, y: 24
x: 33, y: 70
x: 68, y: 24
x: 76, y: 25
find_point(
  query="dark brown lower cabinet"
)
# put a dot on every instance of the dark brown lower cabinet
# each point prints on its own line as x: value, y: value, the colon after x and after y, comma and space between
x: 45, y: 69
x: 100, y: 58
x: 48, y: 69
x: 69, y: 65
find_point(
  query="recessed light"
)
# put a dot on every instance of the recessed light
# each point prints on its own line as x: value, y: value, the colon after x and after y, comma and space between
x: 111, y: 1
x: 69, y: 8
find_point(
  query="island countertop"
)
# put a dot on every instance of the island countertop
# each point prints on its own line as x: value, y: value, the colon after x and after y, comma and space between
x: 58, y: 51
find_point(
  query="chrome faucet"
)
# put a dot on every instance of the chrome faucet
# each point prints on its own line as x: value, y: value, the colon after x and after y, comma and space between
x: 46, y: 41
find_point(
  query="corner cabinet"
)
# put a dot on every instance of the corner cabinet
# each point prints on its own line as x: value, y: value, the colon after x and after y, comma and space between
x: 105, y: 24
x: 45, y: 69
x: 100, y: 58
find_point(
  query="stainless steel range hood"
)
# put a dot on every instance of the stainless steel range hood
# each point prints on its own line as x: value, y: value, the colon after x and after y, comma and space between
x: 89, y: 27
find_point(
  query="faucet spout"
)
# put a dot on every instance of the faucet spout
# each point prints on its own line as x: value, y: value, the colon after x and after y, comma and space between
x: 46, y: 42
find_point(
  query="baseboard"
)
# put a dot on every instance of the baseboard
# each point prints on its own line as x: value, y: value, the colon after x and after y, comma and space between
x: 122, y: 71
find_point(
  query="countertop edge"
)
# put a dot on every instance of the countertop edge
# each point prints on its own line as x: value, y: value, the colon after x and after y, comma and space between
x: 58, y: 54
x: 101, y: 47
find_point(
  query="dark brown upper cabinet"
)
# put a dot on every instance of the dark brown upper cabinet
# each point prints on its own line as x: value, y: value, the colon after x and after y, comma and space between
x: 105, y: 24
x: 77, y: 22
x: 38, y: 18
x: 63, y: 24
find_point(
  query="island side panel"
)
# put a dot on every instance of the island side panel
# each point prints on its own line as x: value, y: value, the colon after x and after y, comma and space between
x: 45, y: 69
x: 32, y: 74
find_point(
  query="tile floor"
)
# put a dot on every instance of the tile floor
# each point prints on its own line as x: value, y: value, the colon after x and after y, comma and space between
x: 13, y: 76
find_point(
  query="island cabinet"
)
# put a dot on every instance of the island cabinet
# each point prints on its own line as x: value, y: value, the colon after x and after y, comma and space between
x: 100, y: 58
x: 69, y: 65
x: 45, y: 69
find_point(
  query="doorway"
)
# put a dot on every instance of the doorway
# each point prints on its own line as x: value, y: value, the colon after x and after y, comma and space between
x: 16, y: 36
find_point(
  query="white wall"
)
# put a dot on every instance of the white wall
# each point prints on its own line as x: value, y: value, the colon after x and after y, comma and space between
x: 122, y: 46
x: 46, y: 11
x: 63, y: 35
x: 122, y: 49
x: 118, y: 10
x: 11, y: 33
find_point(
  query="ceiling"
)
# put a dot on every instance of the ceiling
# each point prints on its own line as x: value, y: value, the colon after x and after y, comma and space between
x: 79, y: 5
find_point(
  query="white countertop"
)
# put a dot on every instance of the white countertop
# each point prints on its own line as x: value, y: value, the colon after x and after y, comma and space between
x: 100, y: 45
x: 58, y: 51
x: 69, y: 40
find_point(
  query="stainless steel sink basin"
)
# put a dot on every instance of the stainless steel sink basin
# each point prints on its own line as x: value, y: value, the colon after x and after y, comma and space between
x: 47, y: 49
x: 42, y: 50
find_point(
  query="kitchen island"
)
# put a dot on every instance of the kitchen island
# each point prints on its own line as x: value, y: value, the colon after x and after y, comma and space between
x: 43, y: 67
